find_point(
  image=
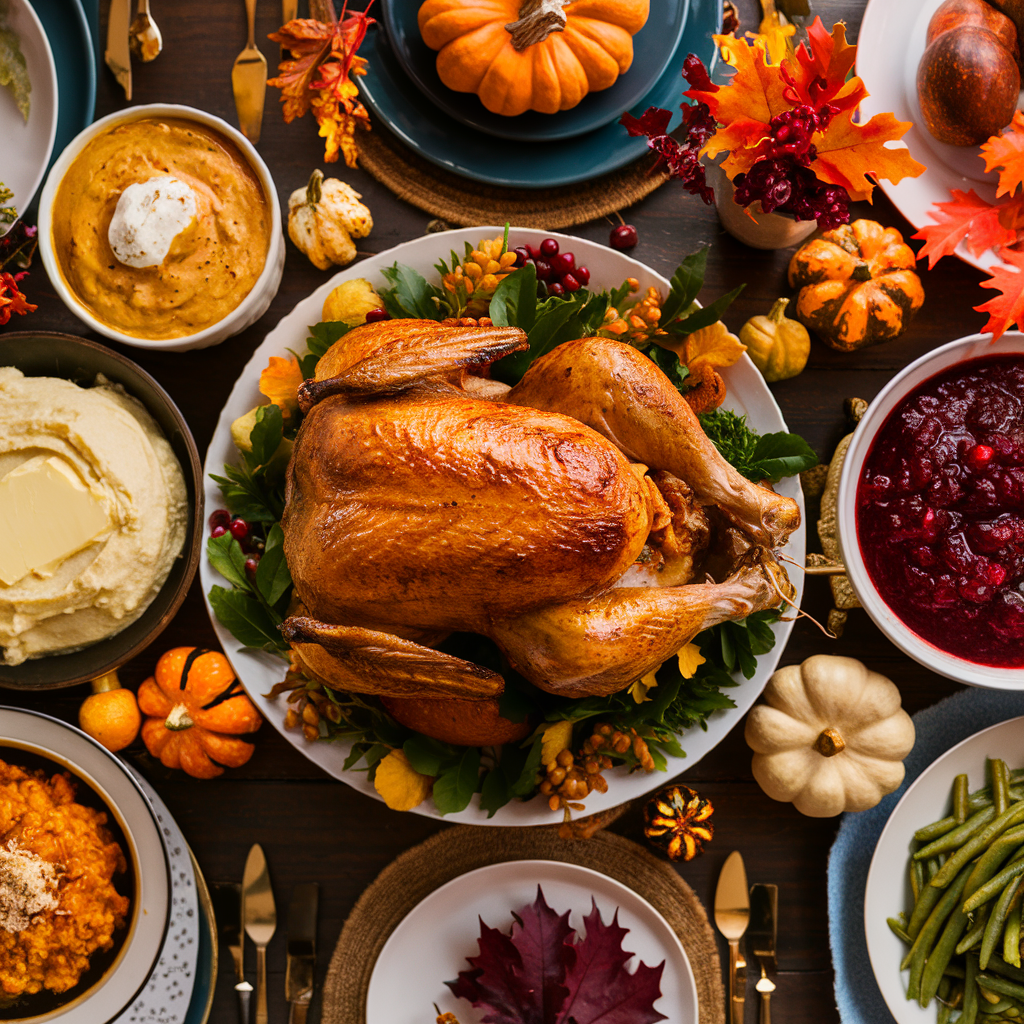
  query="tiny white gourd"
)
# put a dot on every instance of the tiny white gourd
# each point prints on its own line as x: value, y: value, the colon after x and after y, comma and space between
x: 830, y: 737
x: 324, y: 217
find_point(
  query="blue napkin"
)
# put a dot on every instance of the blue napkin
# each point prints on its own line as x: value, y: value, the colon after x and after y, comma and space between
x: 939, y: 727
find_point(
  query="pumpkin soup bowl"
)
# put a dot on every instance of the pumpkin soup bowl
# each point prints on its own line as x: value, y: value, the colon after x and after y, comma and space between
x: 101, y: 281
x: 931, y: 365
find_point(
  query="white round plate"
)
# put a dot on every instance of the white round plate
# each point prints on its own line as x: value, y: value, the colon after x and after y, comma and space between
x: 117, y: 787
x: 26, y: 146
x: 748, y: 394
x: 889, y: 48
x: 888, y: 888
x: 430, y: 945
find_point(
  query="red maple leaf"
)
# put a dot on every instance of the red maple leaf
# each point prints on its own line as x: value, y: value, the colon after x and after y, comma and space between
x: 818, y: 75
x: 539, y: 974
x: 967, y: 218
x: 1007, y: 151
x: 1007, y: 308
x: 601, y: 990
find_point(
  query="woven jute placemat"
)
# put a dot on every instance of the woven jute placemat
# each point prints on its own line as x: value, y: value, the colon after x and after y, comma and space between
x: 463, y: 202
x: 449, y: 854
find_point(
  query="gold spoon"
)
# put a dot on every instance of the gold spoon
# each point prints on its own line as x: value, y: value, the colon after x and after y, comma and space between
x: 144, y: 36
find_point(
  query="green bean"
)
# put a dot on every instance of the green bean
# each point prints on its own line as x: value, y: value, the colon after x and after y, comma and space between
x: 945, y: 1008
x: 941, y: 955
x: 917, y: 878
x: 969, y: 1014
x: 932, y: 866
x: 988, y: 863
x: 977, y: 801
x: 929, y: 931
x: 1000, y: 1006
x: 1000, y: 785
x: 996, y: 920
x: 899, y: 930
x: 922, y: 910
x: 1007, y: 970
x: 958, y: 836
x: 1001, y: 986
x: 995, y: 886
x: 975, y: 933
x: 955, y: 971
x: 961, y: 799
x: 1014, y: 815
x: 1011, y: 935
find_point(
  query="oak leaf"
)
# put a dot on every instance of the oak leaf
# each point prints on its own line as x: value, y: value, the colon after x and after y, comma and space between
x: 640, y: 688
x: 690, y: 659
x: 1007, y: 152
x: 968, y: 218
x: 1007, y: 308
x: 400, y: 786
x: 819, y: 75
x: 280, y: 383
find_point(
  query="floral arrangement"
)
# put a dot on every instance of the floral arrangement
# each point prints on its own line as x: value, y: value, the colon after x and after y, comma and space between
x: 319, y: 77
x: 981, y: 225
x: 575, y: 740
x: 787, y: 128
x: 16, y: 250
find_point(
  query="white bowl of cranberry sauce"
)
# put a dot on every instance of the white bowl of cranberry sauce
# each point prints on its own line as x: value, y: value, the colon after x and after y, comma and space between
x: 931, y: 510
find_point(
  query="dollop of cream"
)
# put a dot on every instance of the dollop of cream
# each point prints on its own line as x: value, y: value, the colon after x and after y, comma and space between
x: 149, y: 215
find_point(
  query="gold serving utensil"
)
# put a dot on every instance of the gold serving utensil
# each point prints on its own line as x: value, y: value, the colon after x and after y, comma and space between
x: 118, y: 53
x: 260, y: 917
x: 732, y: 913
x: 249, y: 81
x: 144, y: 36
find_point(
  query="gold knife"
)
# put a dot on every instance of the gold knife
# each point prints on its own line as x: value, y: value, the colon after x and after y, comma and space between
x: 260, y: 917
x: 732, y: 913
x: 118, y: 53
x: 249, y: 81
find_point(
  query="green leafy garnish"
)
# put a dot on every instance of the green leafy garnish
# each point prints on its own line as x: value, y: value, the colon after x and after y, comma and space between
x: 13, y: 69
x: 757, y: 456
x: 410, y: 295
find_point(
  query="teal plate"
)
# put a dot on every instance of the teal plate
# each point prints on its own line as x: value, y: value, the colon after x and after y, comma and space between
x: 653, y: 47
x: 414, y: 118
x: 67, y: 29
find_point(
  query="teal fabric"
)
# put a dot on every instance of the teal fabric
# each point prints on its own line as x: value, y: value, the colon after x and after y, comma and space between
x: 938, y: 728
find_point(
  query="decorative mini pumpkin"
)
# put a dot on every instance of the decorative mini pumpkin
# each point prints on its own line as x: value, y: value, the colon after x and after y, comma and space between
x: 110, y: 714
x: 857, y: 285
x: 198, y: 710
x: 831, y: 736
x: 778, y: 346
x: 520, y: 55
x: 678, y: 822
x: 324, y: 217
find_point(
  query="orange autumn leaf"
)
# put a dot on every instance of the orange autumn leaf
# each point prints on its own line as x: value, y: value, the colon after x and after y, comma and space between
x: 755, y: 92
x: 968, y: 218
x: 280, y: 383
x: 848, y: 153
x: 1007, y: 152
x: 1007, y: 308
x: 819, y: 75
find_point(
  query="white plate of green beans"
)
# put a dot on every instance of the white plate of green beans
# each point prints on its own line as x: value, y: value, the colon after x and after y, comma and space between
x: 943, y: 906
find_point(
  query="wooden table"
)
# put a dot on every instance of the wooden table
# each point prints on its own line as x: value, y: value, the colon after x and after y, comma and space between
x: 314, y: 828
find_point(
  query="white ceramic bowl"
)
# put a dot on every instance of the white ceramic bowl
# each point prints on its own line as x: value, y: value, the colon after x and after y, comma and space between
x: 935, y: 362
x: 247, y: 312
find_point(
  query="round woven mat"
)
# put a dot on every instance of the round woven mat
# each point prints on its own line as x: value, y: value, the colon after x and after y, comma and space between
x: 463, y: 202
x: 424, y: 868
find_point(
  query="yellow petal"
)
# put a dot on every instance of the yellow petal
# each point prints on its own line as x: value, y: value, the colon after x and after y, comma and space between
x: 399, y: 784
x: 640, y: 689
x: 713, y: 345
x: 557, y: 738
x: 690, y: 659
x: 280, y: 383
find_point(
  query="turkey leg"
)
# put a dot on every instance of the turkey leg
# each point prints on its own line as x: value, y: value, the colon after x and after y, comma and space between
x: 595, y: 647
x: 620, y: 393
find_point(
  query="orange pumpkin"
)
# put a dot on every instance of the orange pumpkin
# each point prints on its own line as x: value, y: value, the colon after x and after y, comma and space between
x: 197, y: 710
x: 520, y: 55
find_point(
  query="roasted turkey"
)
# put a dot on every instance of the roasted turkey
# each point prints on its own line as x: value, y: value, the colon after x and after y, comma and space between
x: 581, y: 520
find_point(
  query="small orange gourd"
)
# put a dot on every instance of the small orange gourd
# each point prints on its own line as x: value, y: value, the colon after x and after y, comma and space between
x: 520, y: 55
x: 110, y: 714
x: 857, y: 285
x: 197, y: 711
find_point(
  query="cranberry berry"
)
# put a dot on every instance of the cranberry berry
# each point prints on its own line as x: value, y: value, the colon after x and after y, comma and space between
x: 220, y: 518
x: 239, y: 529
x: 548, y: 248
x: 623, y: 237
x: 378, y: 314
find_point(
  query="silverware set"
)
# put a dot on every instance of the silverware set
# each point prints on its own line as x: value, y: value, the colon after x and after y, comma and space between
x: 751, y: 913
x: 249, y: 911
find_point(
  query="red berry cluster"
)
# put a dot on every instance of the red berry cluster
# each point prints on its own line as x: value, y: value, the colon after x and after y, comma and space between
x: 792, y: 131
x: 557, y: 270
x: 221, y: 521
x: 785, y: 186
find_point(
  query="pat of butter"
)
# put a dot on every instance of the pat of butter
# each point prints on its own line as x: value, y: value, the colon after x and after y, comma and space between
x: 46, y: 514
x: 149, y: 216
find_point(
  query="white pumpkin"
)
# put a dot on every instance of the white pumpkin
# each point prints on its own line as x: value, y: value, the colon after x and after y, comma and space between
x: 830, y: 737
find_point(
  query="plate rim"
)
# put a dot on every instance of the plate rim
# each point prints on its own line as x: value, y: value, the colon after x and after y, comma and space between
x: 513, y: 813
x: 872, y: 882
x: 539, y: 864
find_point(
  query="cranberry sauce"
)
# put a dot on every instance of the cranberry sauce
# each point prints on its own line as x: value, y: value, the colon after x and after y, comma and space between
x: 940, y: 511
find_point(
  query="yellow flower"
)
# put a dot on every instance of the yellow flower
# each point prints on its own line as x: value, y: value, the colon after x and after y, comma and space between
x: 641, y: 688
x: 399, y: 784
x: 690, y: 659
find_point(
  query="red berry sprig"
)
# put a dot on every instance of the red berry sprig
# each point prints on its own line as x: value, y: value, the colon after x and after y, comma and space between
x: 555, y: 269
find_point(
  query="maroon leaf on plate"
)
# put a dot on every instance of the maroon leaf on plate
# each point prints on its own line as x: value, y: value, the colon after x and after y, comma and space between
x: 493, y: 982
x: 545, y: 942
x: 601, y: 990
